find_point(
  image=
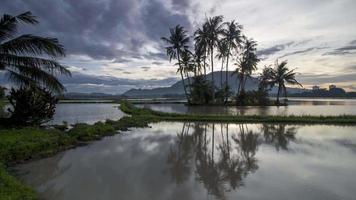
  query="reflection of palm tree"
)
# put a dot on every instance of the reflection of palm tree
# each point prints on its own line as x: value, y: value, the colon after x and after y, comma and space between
x: 228, y: 169
x: 179, y: 158
x: 278, y: 135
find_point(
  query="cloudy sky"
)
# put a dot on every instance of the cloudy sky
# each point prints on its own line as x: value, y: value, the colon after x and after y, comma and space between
x: 114, y: 45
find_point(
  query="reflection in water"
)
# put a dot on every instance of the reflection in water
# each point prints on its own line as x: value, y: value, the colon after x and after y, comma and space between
x: 200, y: 161
x: 221, y: 162
x: 297, y: 106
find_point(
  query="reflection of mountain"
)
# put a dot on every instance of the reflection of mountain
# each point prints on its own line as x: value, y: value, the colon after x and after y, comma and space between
x: 221, y: 160
x: 177, y: 88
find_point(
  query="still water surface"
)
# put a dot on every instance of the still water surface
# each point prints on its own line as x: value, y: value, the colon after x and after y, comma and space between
x: 86, y: 112
x: 204, y: 161
x: 297, y: 106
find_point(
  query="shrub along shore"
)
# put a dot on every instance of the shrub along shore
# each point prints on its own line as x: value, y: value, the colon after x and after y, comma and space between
x: 19, y: 145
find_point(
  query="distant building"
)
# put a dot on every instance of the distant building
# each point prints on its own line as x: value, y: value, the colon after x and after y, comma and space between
x: 335, y: 90
x: 315, y: 88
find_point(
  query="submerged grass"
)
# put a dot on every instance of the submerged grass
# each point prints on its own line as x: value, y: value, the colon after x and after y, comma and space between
x: 28, y: 143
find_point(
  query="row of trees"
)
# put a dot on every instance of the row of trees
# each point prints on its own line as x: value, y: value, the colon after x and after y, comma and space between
x: 31, y: 65
x: 225, y: 42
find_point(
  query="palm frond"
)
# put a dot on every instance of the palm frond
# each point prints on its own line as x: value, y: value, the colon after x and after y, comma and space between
x: 9, y: 23
x: 49, y: 65
x: 33, y: 45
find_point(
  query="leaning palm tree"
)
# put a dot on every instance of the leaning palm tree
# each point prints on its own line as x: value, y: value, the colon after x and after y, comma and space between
x: 247, y: 62
x: 28, y: 59
x: 233, y: 38
x: 215, y: 29
x: 187, y: 65
x: 283, y: 75
x: 178, y: 42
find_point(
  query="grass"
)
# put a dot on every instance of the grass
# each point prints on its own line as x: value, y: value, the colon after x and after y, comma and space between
x: 156, y: 115
x: 28, y: 143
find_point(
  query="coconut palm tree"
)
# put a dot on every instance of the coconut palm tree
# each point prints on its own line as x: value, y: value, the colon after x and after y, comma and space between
x: 201, y: 44
x: 281, y: 76
x: 29, y: 59
x: 222, y: 55
x: 178, y: 42
x: 247, y: 62
x: 215, y: 29
x: 233, y: 38
x: 187, y: 65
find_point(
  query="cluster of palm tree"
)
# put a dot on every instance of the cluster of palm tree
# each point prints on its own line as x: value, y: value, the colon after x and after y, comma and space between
x: 221, y: 40
x: 29, y: 59
x: 215, y: 39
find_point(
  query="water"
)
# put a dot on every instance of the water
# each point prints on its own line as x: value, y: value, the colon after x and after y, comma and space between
x: 204, y: 161
x: 297, y: 106
x: 86, y: 113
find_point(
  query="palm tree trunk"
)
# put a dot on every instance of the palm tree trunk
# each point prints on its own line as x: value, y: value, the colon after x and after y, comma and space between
x: 226, y: 76
x: 240, y: 82
x: 279, y: 89
x: 181, y: 74
x: 205, y: 65
x: 189, y: 84
x: 212, y: 70
x: 285, y: 94
x: 244, y: 85
x: 221, y: 73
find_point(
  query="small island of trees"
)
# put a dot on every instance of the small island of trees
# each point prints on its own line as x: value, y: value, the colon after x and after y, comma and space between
x: 223, y: 41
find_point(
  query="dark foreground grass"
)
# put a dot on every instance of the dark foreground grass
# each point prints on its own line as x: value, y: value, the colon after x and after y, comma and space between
x: 161, y: 116
x: 28, y: 143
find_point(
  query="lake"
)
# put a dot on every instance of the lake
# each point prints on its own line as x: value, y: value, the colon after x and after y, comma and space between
x: 204, y: 161
x: 86, y: 112
x: 297, y: 106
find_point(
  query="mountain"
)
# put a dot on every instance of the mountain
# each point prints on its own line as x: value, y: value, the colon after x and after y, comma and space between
x: 177, y: 88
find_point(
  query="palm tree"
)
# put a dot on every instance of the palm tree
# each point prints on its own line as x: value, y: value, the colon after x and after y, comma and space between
x: 29, y: 59
x: 222, y: 54
x: 233, y: 38
x: 201, y: 44
x: 215, y: 29
x: 178, y: 41
x: 247, y: 63
x: 282, y: 75
x: 187, y: 65
x: 265, y: 79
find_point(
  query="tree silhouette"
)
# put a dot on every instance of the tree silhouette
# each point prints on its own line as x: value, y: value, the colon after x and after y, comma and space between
x: 178, y: 41
x: 29, y: 59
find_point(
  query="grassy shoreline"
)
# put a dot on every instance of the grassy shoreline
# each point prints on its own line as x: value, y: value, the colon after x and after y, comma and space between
x: 19, y: 145
x: 129, y: 108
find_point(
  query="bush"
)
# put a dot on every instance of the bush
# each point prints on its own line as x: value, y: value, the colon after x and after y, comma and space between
x: 201, y: 91
x: 249, y: 98
x: 31, y: 106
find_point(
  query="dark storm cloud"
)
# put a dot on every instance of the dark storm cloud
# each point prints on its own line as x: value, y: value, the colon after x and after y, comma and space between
x: 301, y: 51
x: 274, y: 49
x: 348, y: 49
x: 97, y: 28
x: 326, y: 78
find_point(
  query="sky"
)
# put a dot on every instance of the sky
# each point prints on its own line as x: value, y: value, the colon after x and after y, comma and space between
x: 114, y: 45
